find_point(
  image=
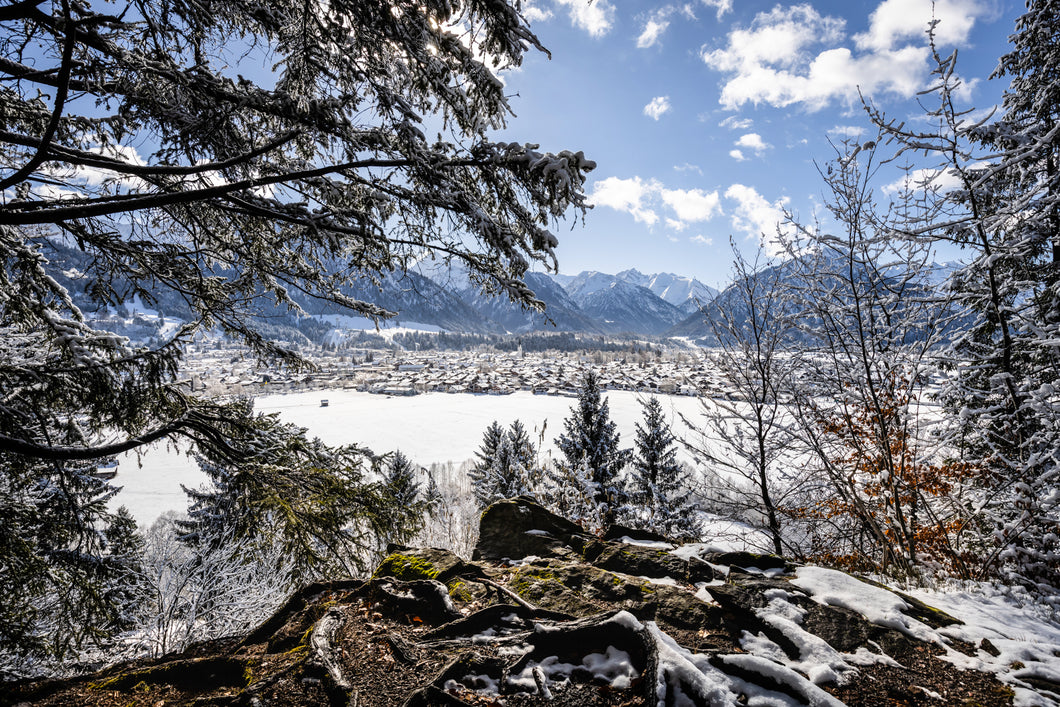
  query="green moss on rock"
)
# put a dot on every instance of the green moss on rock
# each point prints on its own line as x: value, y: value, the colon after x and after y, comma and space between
x: 406, y: 568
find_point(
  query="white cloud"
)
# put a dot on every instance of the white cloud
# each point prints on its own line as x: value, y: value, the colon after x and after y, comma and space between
x: 720, y: 6
x: 850, y: 131
x: 894, y: 21
x: 626, y: 195
x: 97, y: 176
x: 702, y: 240
x: 753, y: 141
x: 594, y: 17
x: 659, y: 21
x: 737, y: 155
x: 533, y: 13
x: 644, y: 199
x: 734, y: 123
x: 755, y: 216
x: 653, y: 29
x: 796, y: 55
x: 688, y: 167
x: 658, y: 106
x: 780, y: 36
x: 693, y: 204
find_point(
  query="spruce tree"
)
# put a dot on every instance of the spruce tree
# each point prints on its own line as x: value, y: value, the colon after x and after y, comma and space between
x: 573, y: 494
x: 658, y: 484
x: 523, y: 452
x: 506, y: 466
x: 482, y: 472
x: 409, y: 502
x: 63, y: 561
x: 127, y: 588
x: 147, y: 156
x: 213, y: 509
x: 591, y: 437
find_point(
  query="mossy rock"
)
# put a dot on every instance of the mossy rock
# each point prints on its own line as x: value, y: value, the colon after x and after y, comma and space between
x: 459, y: 590
x: 519, y: 528
x: 424, y: 563
x: 580, y: 590
x: 641, y: 561
x: 542, y: 588
x: 405, y: 568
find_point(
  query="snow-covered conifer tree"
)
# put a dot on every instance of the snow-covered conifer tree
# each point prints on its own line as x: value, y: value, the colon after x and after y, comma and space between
x: 573, y: 494
x: 590, y: 437
x: 482, y: 472
x: 507, y: 465
x: 63, y: 560
x: 658, y: 482
x: 127, y: 588
x: 1004, y: 212
x: 409, y: 501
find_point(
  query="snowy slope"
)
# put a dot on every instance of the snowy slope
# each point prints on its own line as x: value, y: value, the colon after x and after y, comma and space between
x: 686, y: 293
x: 622, y: 306
x: 561, y: 312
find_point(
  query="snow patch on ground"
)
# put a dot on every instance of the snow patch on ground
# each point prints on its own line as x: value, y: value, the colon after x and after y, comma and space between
x: 1025, y: 633
x: 386, y: 328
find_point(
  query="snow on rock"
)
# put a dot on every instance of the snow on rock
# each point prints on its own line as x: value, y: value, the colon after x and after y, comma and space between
x: 657, y: 544
x: 817, y: 659
x: 782, y: 676
x: 878, y: 605
x: 612, y: 667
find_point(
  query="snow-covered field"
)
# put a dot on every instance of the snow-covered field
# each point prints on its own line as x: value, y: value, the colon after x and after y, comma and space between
x: 434, y: 427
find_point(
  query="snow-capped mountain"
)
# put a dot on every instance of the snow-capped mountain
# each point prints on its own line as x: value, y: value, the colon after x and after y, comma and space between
x: 561, y: 312
x: 686, y: 293
x: 621, y: 306
x: 418, y: 298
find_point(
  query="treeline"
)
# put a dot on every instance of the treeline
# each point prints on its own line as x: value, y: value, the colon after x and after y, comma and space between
x: 597, y: 483
x: 535, y: 342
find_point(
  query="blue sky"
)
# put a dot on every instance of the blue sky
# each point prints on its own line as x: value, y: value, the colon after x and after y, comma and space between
x: 705, y: 117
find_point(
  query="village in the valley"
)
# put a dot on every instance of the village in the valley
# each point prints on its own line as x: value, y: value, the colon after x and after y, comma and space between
x: 215, y: 367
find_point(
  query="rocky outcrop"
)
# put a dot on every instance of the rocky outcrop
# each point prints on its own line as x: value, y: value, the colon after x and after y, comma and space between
x: 547, y: 613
